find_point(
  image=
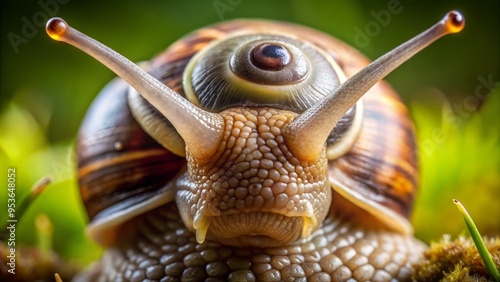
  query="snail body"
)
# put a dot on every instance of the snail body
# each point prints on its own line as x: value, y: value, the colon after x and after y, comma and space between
x: 245, y: 152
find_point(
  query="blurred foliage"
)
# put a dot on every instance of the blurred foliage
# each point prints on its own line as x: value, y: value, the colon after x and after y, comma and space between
x: 460, y: 158
x: 26, y: 149
x: 47, y: 86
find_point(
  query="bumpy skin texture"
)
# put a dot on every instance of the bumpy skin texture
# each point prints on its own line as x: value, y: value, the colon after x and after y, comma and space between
x: 253, y: 184
x: 164, y: 250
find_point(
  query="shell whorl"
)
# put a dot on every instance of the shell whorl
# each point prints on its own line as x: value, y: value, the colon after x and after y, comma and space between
x: 260, y: 70
x: 118, y: 163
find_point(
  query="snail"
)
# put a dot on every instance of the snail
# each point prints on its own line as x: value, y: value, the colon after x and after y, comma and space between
x: 250, y: 151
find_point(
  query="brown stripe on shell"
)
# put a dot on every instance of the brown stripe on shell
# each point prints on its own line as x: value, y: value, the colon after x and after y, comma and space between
x: 382, y: 165
x: 123, y: 178
x: 117, y: 160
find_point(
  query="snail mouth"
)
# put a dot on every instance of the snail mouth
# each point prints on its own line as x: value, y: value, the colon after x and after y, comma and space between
x: 259, y: 229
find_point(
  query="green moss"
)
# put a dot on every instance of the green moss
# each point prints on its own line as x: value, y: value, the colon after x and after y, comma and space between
x: 456, y: 260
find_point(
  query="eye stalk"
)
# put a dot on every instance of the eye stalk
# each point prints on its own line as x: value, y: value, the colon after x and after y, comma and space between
x: 190, y: 121
x: 306, y: 135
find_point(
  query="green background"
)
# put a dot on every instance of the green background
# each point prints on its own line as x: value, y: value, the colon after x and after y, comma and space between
x: 46, y: 87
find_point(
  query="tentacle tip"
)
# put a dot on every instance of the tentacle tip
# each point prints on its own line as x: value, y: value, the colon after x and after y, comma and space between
x: 56, y: 27
x: 454, y: 22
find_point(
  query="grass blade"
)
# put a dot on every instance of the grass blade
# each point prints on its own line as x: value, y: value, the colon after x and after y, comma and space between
x: 35, y: 191
x: 478, y: 240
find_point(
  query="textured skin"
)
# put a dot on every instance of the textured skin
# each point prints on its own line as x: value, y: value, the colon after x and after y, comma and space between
x: 349, y: 243
x: 254, y: 172
x: 164, y: 250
